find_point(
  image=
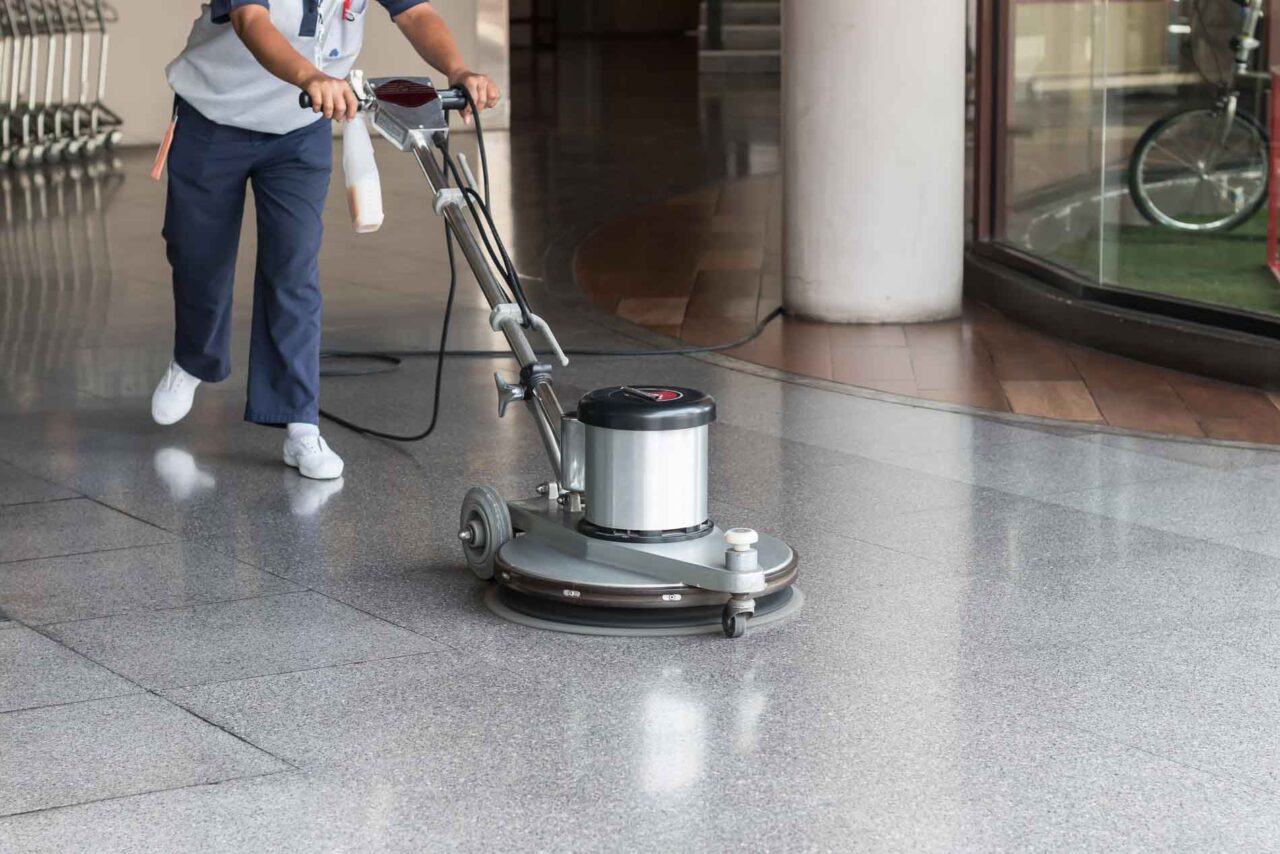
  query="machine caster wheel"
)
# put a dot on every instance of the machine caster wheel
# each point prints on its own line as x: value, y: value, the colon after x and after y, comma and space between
x: 737, y: 611
x: 483, y: 527
x: 734, y: 626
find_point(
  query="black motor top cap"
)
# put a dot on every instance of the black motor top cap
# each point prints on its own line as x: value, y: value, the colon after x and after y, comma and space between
x: 646, y: 407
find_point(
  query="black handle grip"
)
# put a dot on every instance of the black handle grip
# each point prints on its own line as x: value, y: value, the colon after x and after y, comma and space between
x: 453, y: 99
x: 304, y: 100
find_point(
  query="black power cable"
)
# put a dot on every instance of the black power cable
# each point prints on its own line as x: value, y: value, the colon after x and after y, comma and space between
x: 393, y: 358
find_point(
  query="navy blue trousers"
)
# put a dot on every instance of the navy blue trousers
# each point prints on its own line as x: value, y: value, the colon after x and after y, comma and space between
x: 209, y: 167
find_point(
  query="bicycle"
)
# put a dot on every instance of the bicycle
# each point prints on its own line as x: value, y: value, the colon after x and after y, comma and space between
x: 1206, y: 169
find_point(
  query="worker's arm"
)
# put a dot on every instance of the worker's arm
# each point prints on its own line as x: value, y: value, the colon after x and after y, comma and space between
x: 426, y: 31
x: 329, y: 95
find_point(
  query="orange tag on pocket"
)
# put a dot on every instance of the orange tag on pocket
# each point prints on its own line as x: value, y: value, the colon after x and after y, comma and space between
x: 162, y: 153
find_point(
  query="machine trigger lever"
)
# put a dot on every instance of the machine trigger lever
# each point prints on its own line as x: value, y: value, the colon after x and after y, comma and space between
x: 507, y: 392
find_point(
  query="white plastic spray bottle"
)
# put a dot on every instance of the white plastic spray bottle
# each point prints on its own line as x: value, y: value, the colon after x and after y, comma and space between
x: 364, y: 189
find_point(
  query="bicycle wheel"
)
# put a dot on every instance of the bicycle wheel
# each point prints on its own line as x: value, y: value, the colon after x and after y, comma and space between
x: 1190, y: 173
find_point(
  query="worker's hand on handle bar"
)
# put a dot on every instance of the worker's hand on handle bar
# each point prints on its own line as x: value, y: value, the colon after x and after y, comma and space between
x: 332, y: 96
x: 483, y: 91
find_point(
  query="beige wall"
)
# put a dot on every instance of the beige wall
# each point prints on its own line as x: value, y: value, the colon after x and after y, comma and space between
x: 152, y: 32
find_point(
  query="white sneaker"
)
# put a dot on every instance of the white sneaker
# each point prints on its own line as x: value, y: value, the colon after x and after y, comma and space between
x: 172, y: 398
x: 312, y: 457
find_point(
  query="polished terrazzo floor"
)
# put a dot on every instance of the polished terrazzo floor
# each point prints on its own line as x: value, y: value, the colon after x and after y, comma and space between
x: 1014, y: 638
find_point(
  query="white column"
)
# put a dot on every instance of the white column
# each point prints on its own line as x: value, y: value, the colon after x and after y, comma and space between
x: 873, y: 153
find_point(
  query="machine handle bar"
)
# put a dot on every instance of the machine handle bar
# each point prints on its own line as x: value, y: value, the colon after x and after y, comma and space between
x: 450, y: 99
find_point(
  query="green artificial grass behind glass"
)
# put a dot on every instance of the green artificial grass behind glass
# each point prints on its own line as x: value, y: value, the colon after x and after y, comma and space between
x: 1225, y: 269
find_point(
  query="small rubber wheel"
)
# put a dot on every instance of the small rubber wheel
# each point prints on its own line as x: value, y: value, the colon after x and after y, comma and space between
x: 734, y: 625
x: 484, y: 525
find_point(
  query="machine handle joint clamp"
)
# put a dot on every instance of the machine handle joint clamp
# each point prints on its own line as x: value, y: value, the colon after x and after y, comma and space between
x: 509, y: 312
x: 447, y: 196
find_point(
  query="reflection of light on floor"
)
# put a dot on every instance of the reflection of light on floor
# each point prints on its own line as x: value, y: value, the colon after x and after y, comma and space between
x: 746, y: 731
x: 55, y: 262
x: 674, y: 742
x: 178, y: 470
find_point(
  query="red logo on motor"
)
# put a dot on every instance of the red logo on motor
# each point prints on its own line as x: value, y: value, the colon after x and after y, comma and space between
x: 662, y: 395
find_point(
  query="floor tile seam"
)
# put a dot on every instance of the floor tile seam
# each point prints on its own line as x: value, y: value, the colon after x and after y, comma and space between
x: 1207, y: 467
x: 937, y: 572
x: 58, y: 624
x: 1050, y: 439
x: 235, y: 558
x: 38, y: 476
x: 1054, y: 507
x: 1066, y: 724
x: 4, y: 505
x: 1098, y: 645
x: 240, y: 738
x: 6, y: 563
x: 1258, y: 574
x: 901, y: 468
x: 52, y: 624
x: 1257, y: 472
x: 161, y: 689
x: 1152, y: 480
x: 145, y: 689
x: 1216, y: 774
x: 1057, y: 500
x: 389, y: 622
x: 890, y: 406
x: 1119, y: 484
x: 101, y: 502
x: 139, y: 692
x: 8, y: 817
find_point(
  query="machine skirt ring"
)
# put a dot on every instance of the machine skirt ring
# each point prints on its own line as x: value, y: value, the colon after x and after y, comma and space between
x: 659, y: 596
x: 630, y: 622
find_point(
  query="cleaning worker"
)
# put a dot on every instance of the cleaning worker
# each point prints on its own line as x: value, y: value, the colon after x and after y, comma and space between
x: 237, y: 122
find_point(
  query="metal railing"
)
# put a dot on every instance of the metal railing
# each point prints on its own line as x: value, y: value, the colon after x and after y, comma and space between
x: 50, y: 107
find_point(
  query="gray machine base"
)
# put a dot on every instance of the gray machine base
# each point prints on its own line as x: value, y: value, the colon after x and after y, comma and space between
x: 551, y: 575
x: 495, y: 604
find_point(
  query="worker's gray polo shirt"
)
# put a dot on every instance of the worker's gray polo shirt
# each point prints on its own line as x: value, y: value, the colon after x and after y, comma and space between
x: 218, y: 75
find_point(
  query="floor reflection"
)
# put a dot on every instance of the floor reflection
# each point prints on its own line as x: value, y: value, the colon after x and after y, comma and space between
x: 180, y: 473
x: 684, y: 729
x: 55, y: 261
x: 308, y: 497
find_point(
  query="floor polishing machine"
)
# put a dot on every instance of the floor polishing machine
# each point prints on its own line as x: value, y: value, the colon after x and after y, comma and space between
x: 619, y: 541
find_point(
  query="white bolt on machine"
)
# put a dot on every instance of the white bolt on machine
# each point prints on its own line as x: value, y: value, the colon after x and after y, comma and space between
x: 620, y: 539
